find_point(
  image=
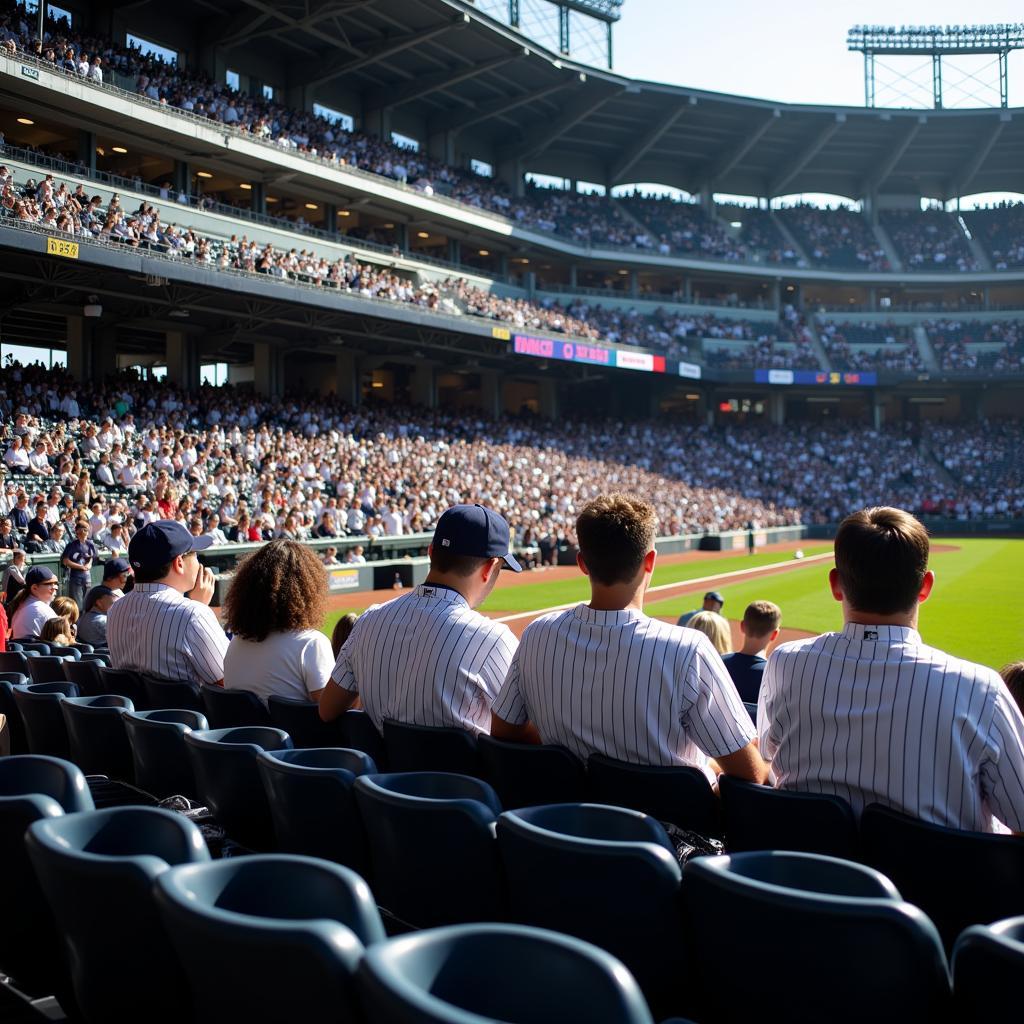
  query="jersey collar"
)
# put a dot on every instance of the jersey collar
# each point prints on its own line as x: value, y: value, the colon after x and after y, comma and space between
x: 607, y: 618
x: 439, y: 592
x: 867, y: 632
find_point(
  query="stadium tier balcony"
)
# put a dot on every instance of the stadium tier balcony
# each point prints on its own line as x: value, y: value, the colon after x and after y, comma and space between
x: 1000, y: 232
x: 683, y: 229
x: 929, y: 240
x: 840, y: 239
x: 965, y: 346
x: 870, y: 346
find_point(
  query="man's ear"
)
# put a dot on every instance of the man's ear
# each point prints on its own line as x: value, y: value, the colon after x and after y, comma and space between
x: 649, y: 559
x: 834, y: 585
x: 489, y: 569
x: 774, y: 636
x: 582, y: 565
x: 430, y: 551
x: 926, y: 587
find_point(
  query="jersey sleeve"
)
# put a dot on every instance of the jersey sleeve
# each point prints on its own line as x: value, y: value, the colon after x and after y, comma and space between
x: 206, y: 645
x: 344, y: 672
x: 509, y: 705
x: 494, y: 670
x: 1002, y: 774
x: 317, y: 663
x: 713, y: 715
x: 768, y: 739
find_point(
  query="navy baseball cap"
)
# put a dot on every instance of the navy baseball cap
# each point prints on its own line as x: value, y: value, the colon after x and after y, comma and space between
x: 95, y: 595
x: 161, y: 542
x: 714, y: 595
x: 475, y: 531
x: 38, y: 574
x: 116, y: 566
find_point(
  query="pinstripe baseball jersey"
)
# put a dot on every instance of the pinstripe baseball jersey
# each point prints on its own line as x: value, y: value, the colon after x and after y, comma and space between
x: 623, y: 684
x: 426, y: 658
x: 156, y: 630
x: 872, y: 714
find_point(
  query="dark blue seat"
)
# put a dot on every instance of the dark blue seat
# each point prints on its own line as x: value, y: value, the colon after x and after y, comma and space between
x: 99, y: 744
x: 762, y: 818
x: 13, y: 645
x: 918, y: 857
x: 457, y: 813
x: 86, y: 676
x: 266, y: 939
x: 607, y: 875
x: 65, y: 651
x: 47, y: 668
x: 676, y: 793
x: 14, y: 661
x: 160, y: 761
x: 33, y: 788
x: 97, y: 870
x: 39, y: 704
x: 359, y: 733
x: 229, y: 709
x: 35, y: 646
x: 853, y: 950
x: 83, y: 648
x: 449, y: 976
x: 426, y: 748
x: 125, y: 682
x: 228, y: 779
x: 301, y: 720
x: 524, y: 774
x: 101, y: 660
x: 988, y: 964
x: 312, y: 804
x: 8, y: 707
x: 162, y: 694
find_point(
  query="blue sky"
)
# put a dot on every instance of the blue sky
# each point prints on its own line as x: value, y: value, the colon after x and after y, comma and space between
x: 793, y: 50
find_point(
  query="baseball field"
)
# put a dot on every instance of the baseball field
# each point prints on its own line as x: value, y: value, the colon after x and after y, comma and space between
x: 976, y: 610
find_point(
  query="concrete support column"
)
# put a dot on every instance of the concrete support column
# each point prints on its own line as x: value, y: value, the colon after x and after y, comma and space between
x: 634, y: 284
x: 331, y: 218
x: 877, y: 412
x: 986, y: 298
x: 776, y: 294
x: 182, y: 360
x: 402, y: 236
x: 182, y: 177
x: 258, y: 197
x: 511, y: 173
x: 454, y: 250
x: 547, y: 398
x: 424, y: 384
x: 104, y: 361
x: 707, y: 199
x: 530, y: 283
x: 687, y: 290
x: 573, y: 276
x: 87, y: 150
x: 79, y: 333
x: 490, y: 393
x: 378, y: 122
x: 441, y: 146
x: 873, y: 299
x: 346, y: 385
x: 268, y: 376
x: 777, y: 408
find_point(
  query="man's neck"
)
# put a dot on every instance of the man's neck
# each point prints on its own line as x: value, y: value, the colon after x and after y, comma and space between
x: 852, y: 616
x: 754, y: 650
x: 457, y: 583
x: 616, y: 599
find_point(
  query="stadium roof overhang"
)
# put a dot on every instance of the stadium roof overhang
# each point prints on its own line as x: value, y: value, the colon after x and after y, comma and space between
x: 454, y: 70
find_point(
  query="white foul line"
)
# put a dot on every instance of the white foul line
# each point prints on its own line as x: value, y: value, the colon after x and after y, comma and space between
x: 790, y: 563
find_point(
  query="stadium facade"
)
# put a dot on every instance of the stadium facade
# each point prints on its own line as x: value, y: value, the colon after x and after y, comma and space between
x: 472, y: 92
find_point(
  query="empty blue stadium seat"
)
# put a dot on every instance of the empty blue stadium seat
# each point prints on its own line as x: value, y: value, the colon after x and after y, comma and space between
x: 159, y: 758
x: 266, y: 939
x: 48, y: 668
x: 312, y: 804
x: 359, y: 733
x: 96, y: 735
x: 676, y: 793
x: 762, y: 818
x: 487, y: 973
x: 301, y: 720
x: 425, y: 748
x: 988, y: 964
x: 229, y: 709
x: 97, y: 870
x: 228, y: 779
x: 8, y: 707
x: 39, y: 704
x: 525, y: 774
x: 161, y: 693
x: 124, y: 682
x: 14, y: 661
x: 850, y: 949
x: 607, y: 875
x: 86, y: 676
x: 436, y: 826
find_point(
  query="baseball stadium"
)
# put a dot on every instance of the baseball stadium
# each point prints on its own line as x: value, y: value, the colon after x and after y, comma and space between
x: 485, y: 533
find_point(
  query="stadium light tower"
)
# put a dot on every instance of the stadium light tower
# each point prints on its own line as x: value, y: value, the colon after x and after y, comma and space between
x: 936, y: 42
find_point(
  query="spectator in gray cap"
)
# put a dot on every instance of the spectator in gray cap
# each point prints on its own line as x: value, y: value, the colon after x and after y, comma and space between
x: 713, y: 602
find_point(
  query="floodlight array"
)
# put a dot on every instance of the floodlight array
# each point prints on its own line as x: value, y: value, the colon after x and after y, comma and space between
x: 936, y: 38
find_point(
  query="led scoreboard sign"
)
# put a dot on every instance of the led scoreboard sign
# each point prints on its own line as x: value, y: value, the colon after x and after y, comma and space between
x: 829, y: 377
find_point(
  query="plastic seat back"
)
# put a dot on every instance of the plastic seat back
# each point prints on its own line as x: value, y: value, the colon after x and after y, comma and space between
x: 359, y: 733
x: 524, y: 774
x: 228, y: 779
x: 97, y: 870
x: 426, y: 748
x: 35, y: 646
x: 301, y: 720
x: 33, y: 788
x: 988, y: 963
x: 918, y: 857
x: 230, y: 709
x: 39, y: 704
x: 10, y: 709
x: 844, y: 929
x: 447, y: 976
x: 65, y: 651
x: 295, y: 926
x: 162, y: 694
x: 763, y: 818
x: 47, y: 668
x: 457, y: 813
x: 676, y: 793
x: 312, y: 804
x: 159, y: 759
x: 86, y: 676
x: 124, y: 682
x: 96, y: 735
x: 607, y: 875
x: 14, y: 661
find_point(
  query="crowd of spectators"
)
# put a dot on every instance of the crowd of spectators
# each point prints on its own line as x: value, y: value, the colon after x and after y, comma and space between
x: 1000, y: 231
x: 839, y: 237
x: 760, y: 233
x: 682, y: 229
x: 961, y: 346
x: 869, y: 345
x: 929, y: 240
x: 788, y: 344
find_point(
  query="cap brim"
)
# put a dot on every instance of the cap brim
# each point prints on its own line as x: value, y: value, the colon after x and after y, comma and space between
x: 512, y: 564
x: 201, y: 543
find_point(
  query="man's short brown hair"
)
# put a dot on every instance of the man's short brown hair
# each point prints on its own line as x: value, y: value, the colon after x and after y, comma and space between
x: 881, y: 558
x: 444, y: 561
x: 615, y: 532
x: 761, y: 618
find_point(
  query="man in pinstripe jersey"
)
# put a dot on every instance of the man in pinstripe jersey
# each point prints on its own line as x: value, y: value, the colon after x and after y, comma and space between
x: 604, y: 678
x: 872, y: 714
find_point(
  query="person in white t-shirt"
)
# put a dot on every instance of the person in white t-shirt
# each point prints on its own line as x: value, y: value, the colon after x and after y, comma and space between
x: 30, y: 609
x: 275, y: 608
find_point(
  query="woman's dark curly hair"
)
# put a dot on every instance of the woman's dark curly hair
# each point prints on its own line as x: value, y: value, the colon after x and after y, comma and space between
x: 279, y: 588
